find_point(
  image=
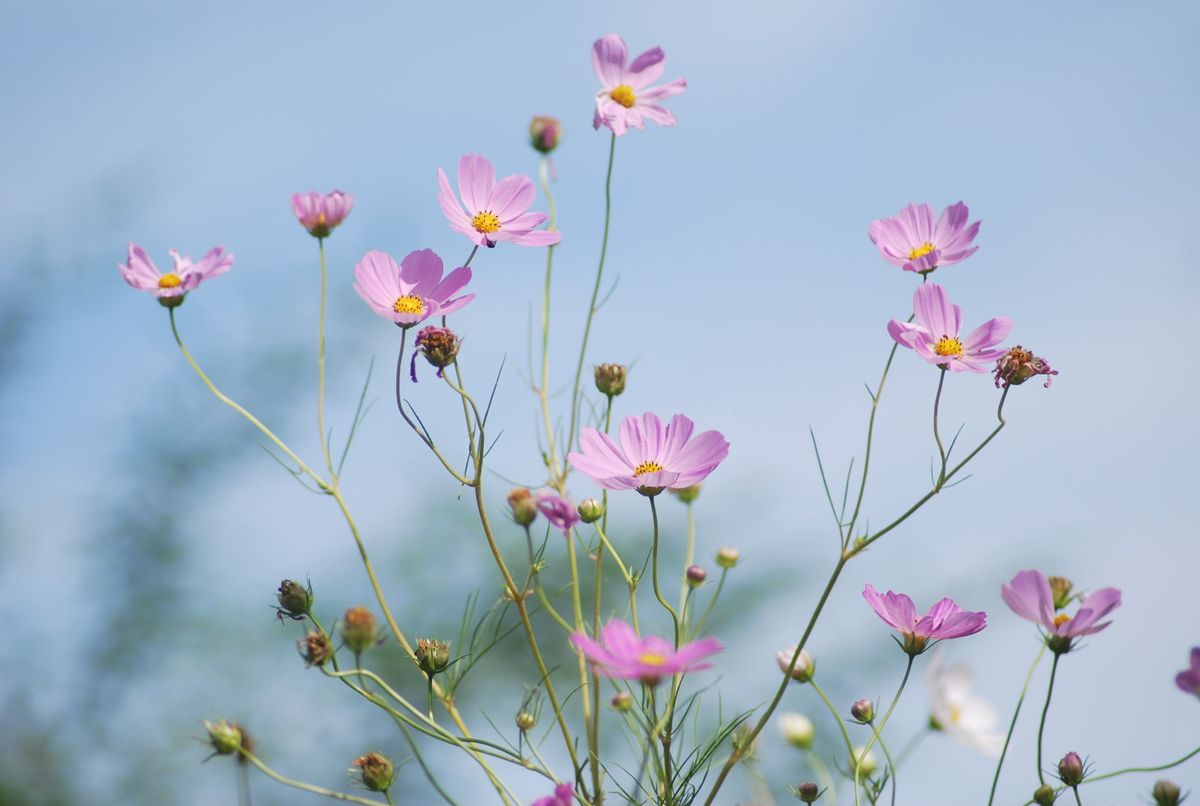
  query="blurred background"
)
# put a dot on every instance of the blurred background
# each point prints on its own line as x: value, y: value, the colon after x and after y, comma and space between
x: 143, y: 533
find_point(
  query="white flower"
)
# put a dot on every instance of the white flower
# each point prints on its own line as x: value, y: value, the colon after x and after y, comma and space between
x: 959, y: 712
x: 796, y: 729
x: 867, y: 764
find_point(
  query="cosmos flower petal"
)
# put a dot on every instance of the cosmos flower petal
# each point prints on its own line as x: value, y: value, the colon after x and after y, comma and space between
x: 608, y: 59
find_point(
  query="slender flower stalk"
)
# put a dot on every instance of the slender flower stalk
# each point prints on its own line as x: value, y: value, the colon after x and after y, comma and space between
x: 1045, y: 711
x: 877, y: 730
x: 1013, y: 724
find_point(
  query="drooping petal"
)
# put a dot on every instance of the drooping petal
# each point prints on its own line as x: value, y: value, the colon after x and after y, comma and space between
x: 990, y: 333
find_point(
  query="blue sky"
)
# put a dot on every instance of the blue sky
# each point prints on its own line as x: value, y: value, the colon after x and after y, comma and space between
x: 748, y: 293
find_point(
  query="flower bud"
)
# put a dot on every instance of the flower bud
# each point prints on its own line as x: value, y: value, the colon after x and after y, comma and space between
x: 1166, y: 793
x: 744, y: 744
x: 622, y: 701
x: 796, y: 729
x: 439, y: 345
x: 610, y: 379
x: 225, y: 737
x: 1044, y: 795
x: 524, y: 508
x: 295, y: 600
x: 432, y: 656
x: 590, y: 510
x: 804, y: 669
x: 526, y: 721
x: 315, y: 648
x: 687, y: 494
x: 1070, y: 769
x: 727, y: 557
x: 544, y: 132
x: 864, y: 761
x: 360, y: 631
x: 1061, y: 588
x: 1019, y: 365
x: 808, y: 792
x: 863, y: 711
x: 375, y: 771
x: 695, y: 576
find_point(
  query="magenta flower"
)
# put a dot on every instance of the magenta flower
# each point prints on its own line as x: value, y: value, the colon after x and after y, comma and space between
x: 944, y: 620
x: 562, y: 797
x: 625, y: 655
x: 935, y: 335
x: 651, y: 457
x: 321, y: 214
x: 413, y: 291
x: 495, y: 210
x: 626, y: 97
x: 1189, y: 679
x: 1030, y: 597
x: 170, y: 288
x: 559, y: 511
x: 913, y: 241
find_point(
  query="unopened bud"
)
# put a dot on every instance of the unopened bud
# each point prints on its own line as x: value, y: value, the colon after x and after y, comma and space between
x: 1070, y: 769
x: 610, y: 379
x: 1060, y: 587
x: 864, y: 761
x: 524, y: 508
x: 1166, y: 793
x: 439, y: 345
x: 863, y: 711
x: 695, y: 576
x: 727, y: 557
x: 808, y: 792
x: 375, y: 770
x: 315, y: 648
x: 360, y: 631
x: 432, y: 656
x: 744, y: 745
x: 295, y: 600
x: 225, y: 737
x: 590, y: 510
x: 525, y: 721
x: 797, y: 729
x: 687, y: 494
x: 622, y: 701
x: 804, y: 667
x: 544, y: 132
x: 1044, y: 795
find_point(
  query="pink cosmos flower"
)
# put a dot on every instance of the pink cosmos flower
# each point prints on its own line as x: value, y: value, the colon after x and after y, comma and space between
x: 495, y: 210
x: 1189, y: 679
x: 559, y: 511
x: 321, y: 214
x: 935, y: 334
x: 623, y: 654
x: 944, y: 620
x: 413, y: 291
x: 170, y: 288
x: 651, y: 456
x: 626, y: 97
x: 563, y: 796
x: 1030, y: 597
x: 913, y: 241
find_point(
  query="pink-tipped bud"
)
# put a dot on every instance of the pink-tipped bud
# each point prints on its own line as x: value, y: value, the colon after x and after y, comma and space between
x: 524, y: 508
x: 695, y: 576
x: 804, y: 668
x: 863, y: 711
x: 1070, y: 769
x: 544, y: 133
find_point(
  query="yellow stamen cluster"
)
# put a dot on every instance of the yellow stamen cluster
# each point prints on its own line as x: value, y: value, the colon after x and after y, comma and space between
x: 486, y: 222
x: 652, y: 659
x: 170, y: 280
x: 624, y: 95
x: 948, y: 346
x: 1061, y: 619
x: 921, y: 251
x: 409, y: 304
x: 647, y: 467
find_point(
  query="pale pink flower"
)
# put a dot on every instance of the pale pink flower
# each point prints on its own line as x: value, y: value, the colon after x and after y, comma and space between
x: 625, y: 97
x: 944, y: 620
x: 558, y: 510
x: 320, y: 214
x: 414, y: 290
x: 912, y: 240
x: 935, y: 335
x: 623, y: 654
x: 495, y: 211
x: 170, y: 287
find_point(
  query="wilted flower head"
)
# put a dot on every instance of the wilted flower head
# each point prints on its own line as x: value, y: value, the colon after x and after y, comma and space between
x: 295, y: 600
x: 562, y: 797
x: 610, y: 379
x: 1019, y: 365
x: 360, y: 630
x: 935, y: 335
x: 1030, y: 597
x: 958, y: 711
x: 414, y: 290
x: 544, y: 132
x: 140, y: 272
x: 559, y: 511
x: 651, y: 456
x: 439, y: 345
x: 375, y: 771
x: 1189, y: 679
x: 432, y: 656
x: 796, y: 729
x: 626, y: 98
x: 524, y: 508
x: 912, y: 240
x: 495, y: 210
x: 623, y: 654
x: 315, y: 648
x: 320, y: 214
x: 1070, y: 769
x: 943, y: 621
x: 803, y: 670
x: 225, y: 737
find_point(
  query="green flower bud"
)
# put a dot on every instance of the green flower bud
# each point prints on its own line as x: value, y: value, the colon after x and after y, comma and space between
x: 590, y: 510
x: 687, y: 494
x: 1044, y: 795
x: 375, y: 771
x: 295, y: 600
x: 526, y: 721
x: 225, y: 737
x: 1166, y: 793
x: 433, y: 656
x: 622, y: 701
x: 360, y: 631
x: 727, y: 557
x: 610, y: 379
x: 524, y: 509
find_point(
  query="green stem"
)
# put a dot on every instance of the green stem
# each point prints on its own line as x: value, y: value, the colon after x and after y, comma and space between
x: 1159, y: 768
x: 1013, y: 724
x: 585, y: 698
x: 876, y: 731
x: 294, y: 784
x: 654, y: 572
x: 1078, y: 800
x: 543, y: 389
x: 837, y: 718
x: 587, y: 326
x: 823, y: 775
x: 321, y: 366
x: 937, y: 400
x: 712, y: 602
x: 689, y: 554
x: 1042, y: 723
x: 424, y: 767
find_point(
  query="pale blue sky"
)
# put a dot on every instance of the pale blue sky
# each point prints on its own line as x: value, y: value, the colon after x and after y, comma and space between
x: 749, y: 296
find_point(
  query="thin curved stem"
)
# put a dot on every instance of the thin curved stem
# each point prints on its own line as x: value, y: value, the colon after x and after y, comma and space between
x: 1127, y: 770
x: 937, y: 400
x: 1042, y: 723
x: 654, y: 573
x: 543, y: 389
x: 1013, y: 724
x: 876, y: 731
x: 712, y: 603
x: 1078, y: 800
x: 312, y: 788
x: 689, y: 554
x: 585, y: 698
x: 822, y: 772
x: 321, y: 367
x: 837, y: 718
x: 419, y: 431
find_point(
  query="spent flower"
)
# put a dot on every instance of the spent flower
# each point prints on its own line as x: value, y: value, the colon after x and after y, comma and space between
x: 626, y: 97
x: 438, y: 345
x: 432, y: 656
x: 524, y: 509
x: 295, y: 600
x: 1018, y: 365
x: 375, y: 771
x: 316, y: 648
x: 559, y: 511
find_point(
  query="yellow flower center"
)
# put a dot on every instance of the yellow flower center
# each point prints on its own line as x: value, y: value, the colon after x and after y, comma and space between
x: 652, y: 659
x: 487, y: 221
x: 170, y: 280
x: 624, y: 95
x: 921, y: 251
x: 409, y: 304
x: 647, y: 467
x: 321, y: 220
x: 955, y: 714
x: 949, y: 347
x: 1061, y: 619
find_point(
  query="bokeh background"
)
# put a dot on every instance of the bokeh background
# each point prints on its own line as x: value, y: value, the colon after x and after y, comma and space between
x: 142, y: 532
